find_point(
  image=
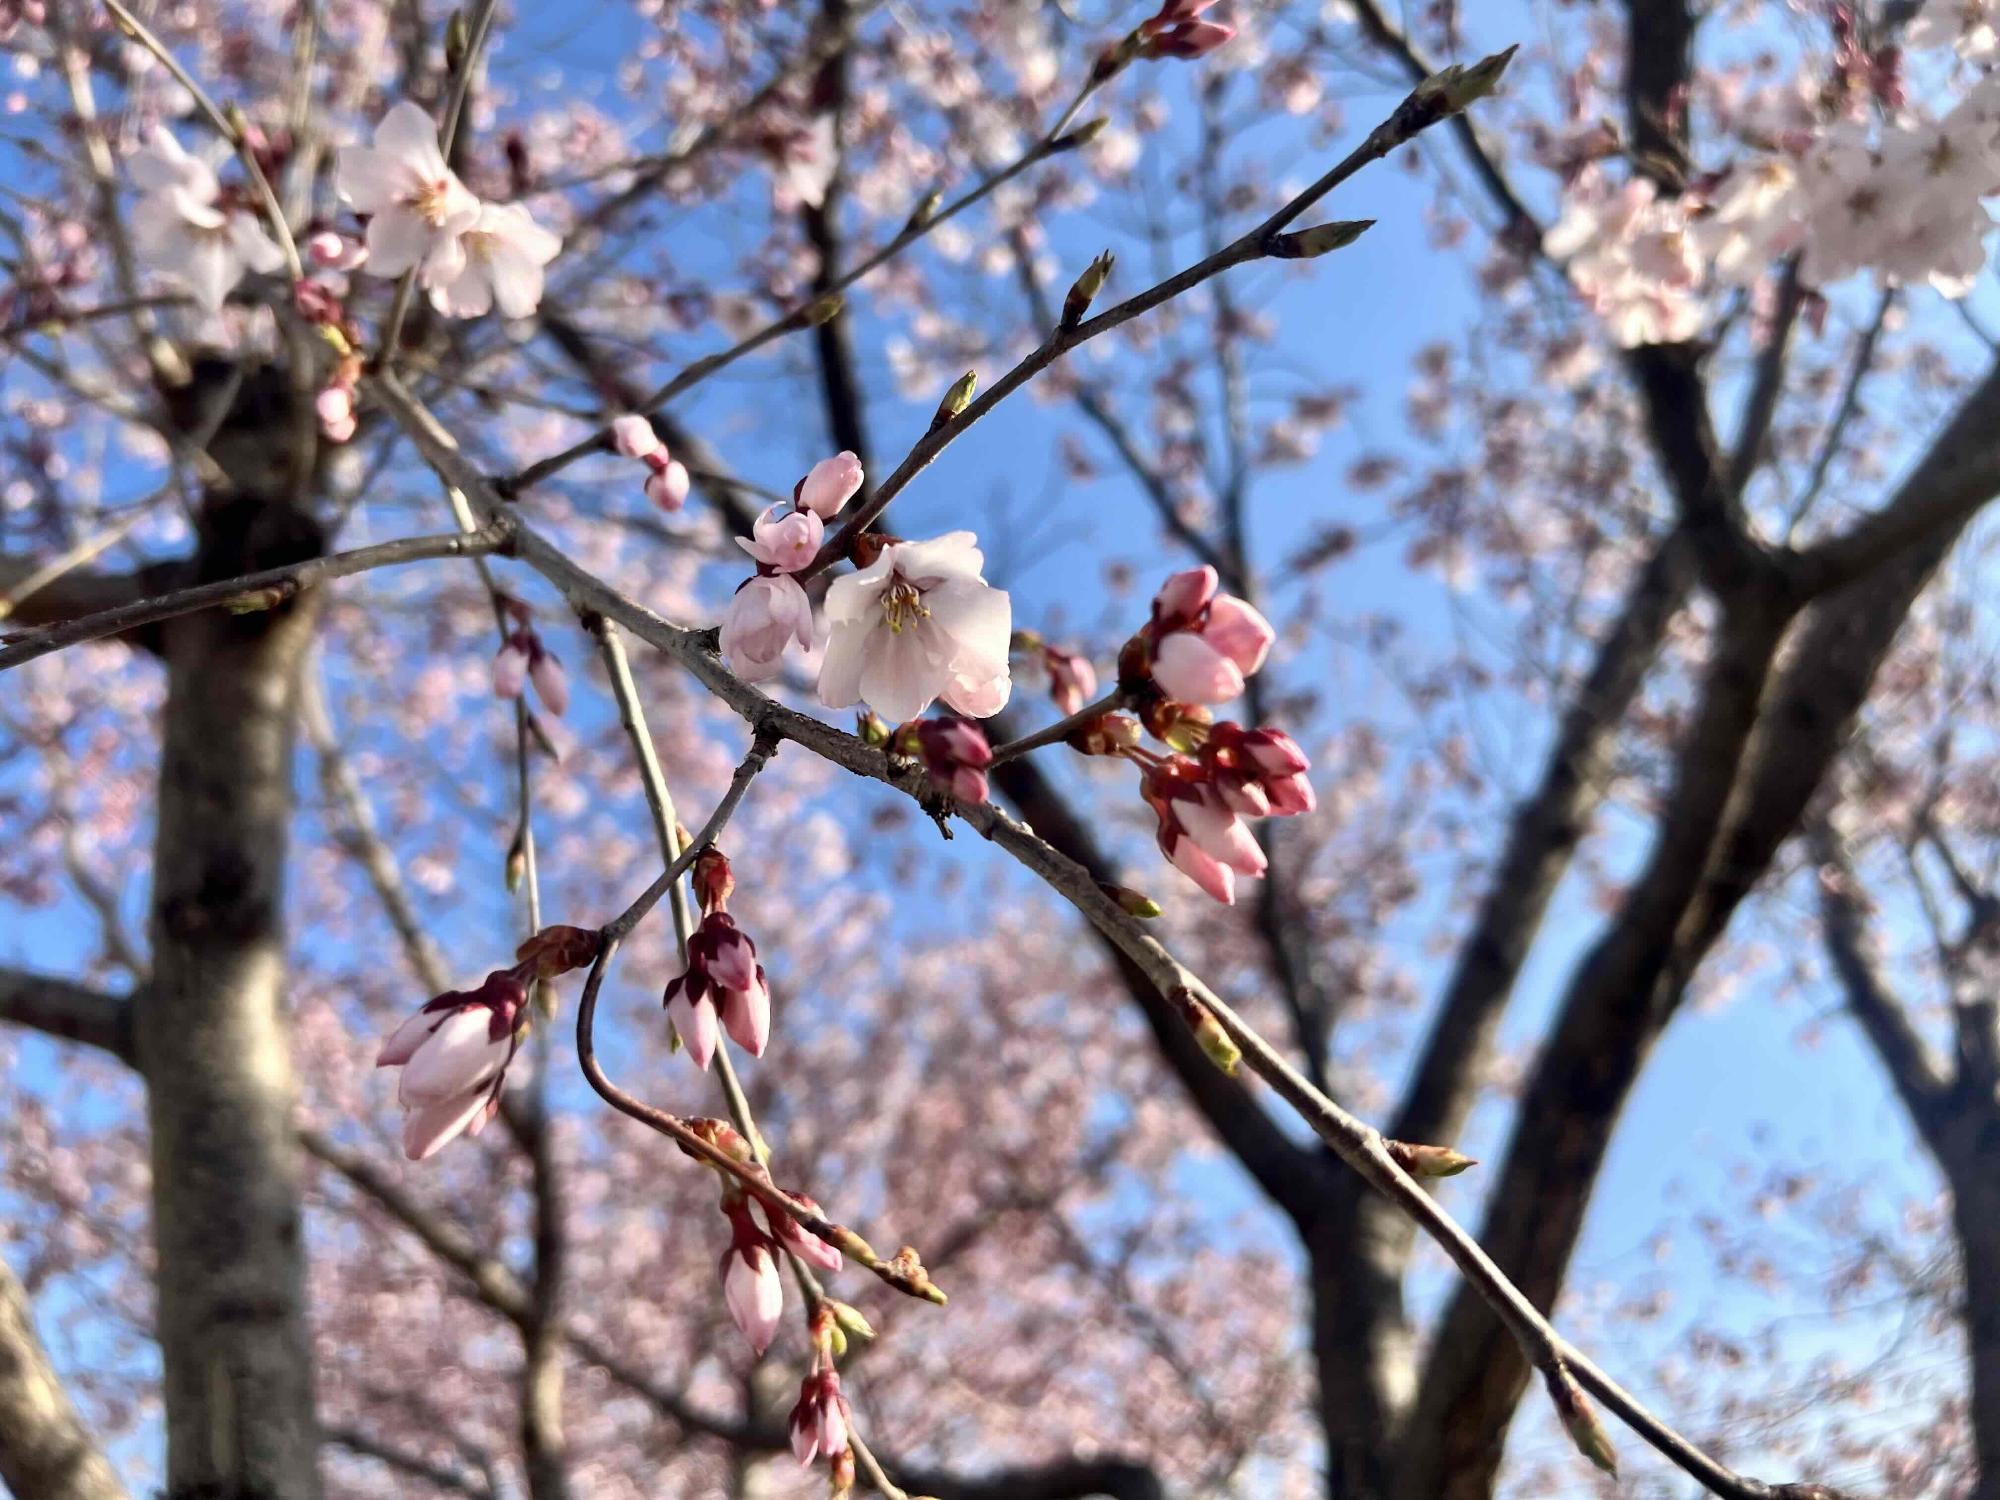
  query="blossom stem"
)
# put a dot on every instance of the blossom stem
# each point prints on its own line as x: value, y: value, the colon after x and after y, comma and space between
x: 225, y: 126
x: 1059, y: 731
x: 755, y: 1180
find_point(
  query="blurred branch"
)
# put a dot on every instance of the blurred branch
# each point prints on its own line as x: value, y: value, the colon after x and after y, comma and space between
x: 67, y: 1010
x: 46, y: 1453
x: 404, y: 1461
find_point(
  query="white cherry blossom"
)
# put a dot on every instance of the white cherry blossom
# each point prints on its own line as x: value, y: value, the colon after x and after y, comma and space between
x: 505, y: 253
x: 183, y: 230
x: 916, y: 625
x: 420, y: 211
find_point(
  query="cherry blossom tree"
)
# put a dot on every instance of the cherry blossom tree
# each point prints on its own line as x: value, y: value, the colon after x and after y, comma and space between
x: 603, y: 889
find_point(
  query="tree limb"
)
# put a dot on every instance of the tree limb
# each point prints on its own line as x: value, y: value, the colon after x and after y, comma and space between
x: 62, y: 1008
x: 46, y: 1453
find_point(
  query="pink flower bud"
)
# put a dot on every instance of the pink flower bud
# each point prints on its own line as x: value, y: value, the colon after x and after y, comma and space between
x: 1190, y: 670
x: 335, y: 406
x: 800, y: 1241
x: 1182, y: 597
x: 786, y: 542
x: 956, y: 754
x: 751, y: 1287
x: 694, y: 1021
x: 633, y: 436
x: 667, y: 486
x: 332, y: 251
x: 746, y: 1014
x: 551, y: 682
x: 1239, y: 632
x: 510, y: 668
x: 1199, y: 832
x: 1188, y: 39
x: 768, y: 615
x: 819, y: 1420
x: 831, y: 483
x: 454, y: 1055
x: 1072, y: 679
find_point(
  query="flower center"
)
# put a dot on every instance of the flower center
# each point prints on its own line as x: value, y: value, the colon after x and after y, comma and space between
x: 431, y: 202
x: 903, y: 605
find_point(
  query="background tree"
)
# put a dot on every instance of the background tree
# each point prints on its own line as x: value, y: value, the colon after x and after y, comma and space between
x: 1643, y: 643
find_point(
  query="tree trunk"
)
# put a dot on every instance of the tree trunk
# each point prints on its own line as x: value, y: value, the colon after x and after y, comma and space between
x: 209, y: 1035
x: 1969, y: 1147
x: 1364, y: 1352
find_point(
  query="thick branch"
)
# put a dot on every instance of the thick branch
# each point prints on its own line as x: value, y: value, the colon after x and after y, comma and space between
x: 46, y: 1453
x: 65, y: 1009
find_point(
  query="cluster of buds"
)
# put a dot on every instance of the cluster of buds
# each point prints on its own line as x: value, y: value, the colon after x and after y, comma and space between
x: 722, y: 986
x: 820, y: 1421
x: 953, y: 751
x: 523, y: 659
x: 319, y: 302
x: 454, y: 1055
x: 770, y: 611
x: 1179, y: 31
x: 667, y: 480
x: 752, y: 1288
x: 1197, y: 649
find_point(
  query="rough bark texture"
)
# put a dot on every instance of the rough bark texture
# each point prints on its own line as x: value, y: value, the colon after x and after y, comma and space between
x: 209, y: 1033
x: 46, y: 1453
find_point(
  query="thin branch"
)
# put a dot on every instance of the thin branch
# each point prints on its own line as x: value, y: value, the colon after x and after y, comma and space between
x: 448, y: 1477
x: 259, y: 591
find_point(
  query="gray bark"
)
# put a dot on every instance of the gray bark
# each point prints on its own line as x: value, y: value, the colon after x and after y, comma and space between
x: 209, y: 1033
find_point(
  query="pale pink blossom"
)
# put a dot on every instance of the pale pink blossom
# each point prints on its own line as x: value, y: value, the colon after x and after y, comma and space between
x: 1971, y: 28
x: 420, y: 211
x: 829, y: 485
x: 769, y: 615
x: 634, y: 437
x: 183, y: 234
x: 787, y: 540
x: 916, y: 625
x: 505, y: 253
x: 454, y: 1055
x: 1631, y: 257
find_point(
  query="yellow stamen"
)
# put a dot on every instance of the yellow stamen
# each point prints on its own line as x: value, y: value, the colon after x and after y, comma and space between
x: 902, y: 605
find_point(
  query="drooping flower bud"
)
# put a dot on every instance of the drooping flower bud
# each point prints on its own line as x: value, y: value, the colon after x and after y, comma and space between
x: 1198, y: 832
x: 510, y: 667
x: 819, y: 1420
x: 454, y: 1055
x: 752, y: 1289
x: 794, y: 1237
